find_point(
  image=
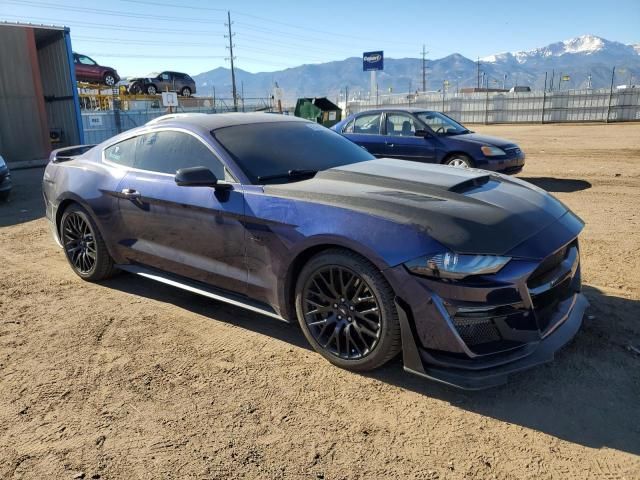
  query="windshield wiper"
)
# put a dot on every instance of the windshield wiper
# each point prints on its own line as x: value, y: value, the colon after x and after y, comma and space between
x: 294, y: 173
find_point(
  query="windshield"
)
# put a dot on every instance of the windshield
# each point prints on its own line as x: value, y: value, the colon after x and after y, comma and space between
x: 441, y: 124
x: 276, y: 151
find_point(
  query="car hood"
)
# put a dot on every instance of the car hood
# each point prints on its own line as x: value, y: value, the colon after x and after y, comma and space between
x: 466, y: 210
x: 484, y: 140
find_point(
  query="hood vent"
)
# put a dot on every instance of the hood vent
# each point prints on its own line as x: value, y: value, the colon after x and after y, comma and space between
x: 470, y: 184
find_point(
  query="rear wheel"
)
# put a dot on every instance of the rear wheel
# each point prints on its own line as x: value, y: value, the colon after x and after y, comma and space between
x: 135, y: 89
x: 459, y: 160
x: 346, y: 310
x: 83, y: 245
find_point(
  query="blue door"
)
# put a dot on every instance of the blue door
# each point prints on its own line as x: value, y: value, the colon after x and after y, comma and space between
x: 195, y: 232
x: 401, y: 141
x: 364, y: 130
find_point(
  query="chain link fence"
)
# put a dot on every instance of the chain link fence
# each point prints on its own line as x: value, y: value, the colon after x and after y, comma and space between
x: 104, y: 116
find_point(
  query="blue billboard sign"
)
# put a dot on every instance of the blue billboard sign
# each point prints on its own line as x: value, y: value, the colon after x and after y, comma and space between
x: 372, y: 61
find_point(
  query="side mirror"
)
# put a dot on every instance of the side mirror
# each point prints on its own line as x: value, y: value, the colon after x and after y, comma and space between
x: 198, y: 177
x: 423, y: 133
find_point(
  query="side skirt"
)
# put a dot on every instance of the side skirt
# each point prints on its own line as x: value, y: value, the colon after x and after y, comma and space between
x: 202, y: 289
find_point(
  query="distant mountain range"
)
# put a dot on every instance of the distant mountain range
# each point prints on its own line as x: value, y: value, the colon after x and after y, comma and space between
x: 584, y: 59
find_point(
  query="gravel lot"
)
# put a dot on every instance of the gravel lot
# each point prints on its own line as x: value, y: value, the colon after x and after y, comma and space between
x: 132, y: 379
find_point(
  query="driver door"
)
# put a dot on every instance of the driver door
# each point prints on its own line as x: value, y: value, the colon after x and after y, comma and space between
x: 401, y: 141
x: 194, y: 232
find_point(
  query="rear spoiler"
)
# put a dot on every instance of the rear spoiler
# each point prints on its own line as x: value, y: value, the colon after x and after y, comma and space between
x: 69, y: 153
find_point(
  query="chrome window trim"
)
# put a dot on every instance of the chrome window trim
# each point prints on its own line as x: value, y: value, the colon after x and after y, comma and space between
x: 166, y: 129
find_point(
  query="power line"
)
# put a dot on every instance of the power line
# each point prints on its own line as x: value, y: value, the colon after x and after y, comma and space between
x: 108, y: 12
x: 108, y: 26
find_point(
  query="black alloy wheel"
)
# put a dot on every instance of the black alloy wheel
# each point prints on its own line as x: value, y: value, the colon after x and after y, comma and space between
x: 83, y: 245
x: 79, y: 243
x: 342, y: 312
x: 346, y: 310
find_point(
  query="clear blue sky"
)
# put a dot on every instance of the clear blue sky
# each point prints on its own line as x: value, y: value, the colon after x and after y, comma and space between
x: 141, y: 36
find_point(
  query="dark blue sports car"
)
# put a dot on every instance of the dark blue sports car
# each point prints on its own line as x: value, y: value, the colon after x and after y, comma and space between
x: 430, y: 137
x: 472, y: 275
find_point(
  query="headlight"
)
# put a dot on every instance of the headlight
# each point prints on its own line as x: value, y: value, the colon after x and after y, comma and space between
x: 2, y: 164
x: 492, y: 151
x: 453, y: 265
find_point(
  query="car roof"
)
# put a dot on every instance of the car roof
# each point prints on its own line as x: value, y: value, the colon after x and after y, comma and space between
x: 395, y: 109
x: 212, y: 121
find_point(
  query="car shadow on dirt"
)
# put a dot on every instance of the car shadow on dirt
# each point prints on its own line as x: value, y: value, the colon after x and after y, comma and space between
x: 558, y: 185
x: 25, y: 202
x: 588, y: 395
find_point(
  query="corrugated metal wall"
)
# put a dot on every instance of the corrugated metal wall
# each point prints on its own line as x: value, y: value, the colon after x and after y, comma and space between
x: 58, y: 89
x: 36, y: 92
x: 569, y: 106
x: 23, y: 125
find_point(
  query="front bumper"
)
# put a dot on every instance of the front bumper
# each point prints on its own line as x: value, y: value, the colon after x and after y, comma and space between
x: 5, y: 183
x: 511, y: 164
x: 492, y: 372
x: 475, y: 333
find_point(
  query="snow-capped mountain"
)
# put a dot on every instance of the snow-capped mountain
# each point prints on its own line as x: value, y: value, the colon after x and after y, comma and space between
x: 586, y: 60
x: 582, y: 45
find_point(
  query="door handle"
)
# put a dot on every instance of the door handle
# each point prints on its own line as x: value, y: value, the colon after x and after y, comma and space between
x: 130, y: 193
x: 388, y: 144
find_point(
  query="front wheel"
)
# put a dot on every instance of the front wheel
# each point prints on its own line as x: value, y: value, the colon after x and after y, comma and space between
x: 83, y: 245
x: 186, y: 92
x: 346, y: 310
x: 459, y: 160
x: 151, y: 89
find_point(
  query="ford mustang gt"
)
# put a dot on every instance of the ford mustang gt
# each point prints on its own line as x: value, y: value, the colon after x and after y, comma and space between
x: 472, y: 275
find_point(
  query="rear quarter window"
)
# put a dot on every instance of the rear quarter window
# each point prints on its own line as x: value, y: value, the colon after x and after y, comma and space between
x: 122, y: 153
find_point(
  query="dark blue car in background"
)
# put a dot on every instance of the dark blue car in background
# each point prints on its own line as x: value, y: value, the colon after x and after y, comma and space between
x: 431, y: 137
x: 471, y: 275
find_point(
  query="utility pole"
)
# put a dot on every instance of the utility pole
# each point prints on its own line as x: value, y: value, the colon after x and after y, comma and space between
x: 613, y: 76
x: 478, y: 65
x: 424, y: 69
x: 232, y: 58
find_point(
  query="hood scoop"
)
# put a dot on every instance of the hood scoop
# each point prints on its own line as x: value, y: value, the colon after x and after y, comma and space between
x: 470, y: 184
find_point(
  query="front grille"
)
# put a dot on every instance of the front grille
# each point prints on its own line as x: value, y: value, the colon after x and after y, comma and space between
x: 513, y: 151
x: 481, y: 328
x: 477, y: 331
x: 545, y: 302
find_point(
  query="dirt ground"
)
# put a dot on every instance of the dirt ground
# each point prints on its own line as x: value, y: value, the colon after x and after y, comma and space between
x: 132, y: 379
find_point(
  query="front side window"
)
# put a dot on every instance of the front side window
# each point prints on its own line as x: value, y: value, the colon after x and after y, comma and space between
x: 367, y: 124
x: 164, y: 76
x: 441, y: 124
x: 169, y: 151
x: 122, y: 153
x: 85, y: 60
x: 400, y: 125
x: 348, y: 128
x: 278, y: 148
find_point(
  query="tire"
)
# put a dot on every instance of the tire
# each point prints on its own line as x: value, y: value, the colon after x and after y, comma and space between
x: 109, y: 79
x: 79, y: 235
x: 459, y: 160
x: 151, y: 90
x: 135, y: 89
x: 185, y: 92
x: 334, y: 321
